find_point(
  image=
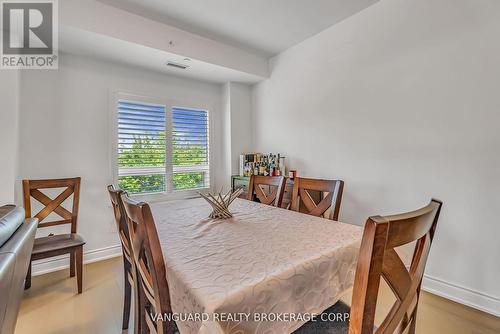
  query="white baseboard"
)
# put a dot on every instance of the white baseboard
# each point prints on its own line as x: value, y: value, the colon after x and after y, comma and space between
x: 62, y: 262
x: 478, y: 300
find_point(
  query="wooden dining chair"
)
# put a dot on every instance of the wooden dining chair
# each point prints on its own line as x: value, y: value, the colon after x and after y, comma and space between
x: 154, y: 295
x: 378, y: 259
x: 128, y: 261
x: 275, y: 184
x: 302, y: 197
x: 54, y: 245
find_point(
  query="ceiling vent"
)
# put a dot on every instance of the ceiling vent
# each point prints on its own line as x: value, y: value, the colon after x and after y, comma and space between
x: 177, y: 65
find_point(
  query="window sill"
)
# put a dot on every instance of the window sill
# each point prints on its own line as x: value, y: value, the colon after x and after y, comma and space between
x: 164, y: 196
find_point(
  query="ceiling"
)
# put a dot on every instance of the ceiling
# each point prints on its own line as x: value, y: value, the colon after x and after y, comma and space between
x: 81, y: 42
x: 266, y: 27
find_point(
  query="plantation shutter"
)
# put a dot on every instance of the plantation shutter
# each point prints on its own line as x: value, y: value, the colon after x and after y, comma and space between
x: 190, y: 148
x: 141, y: 147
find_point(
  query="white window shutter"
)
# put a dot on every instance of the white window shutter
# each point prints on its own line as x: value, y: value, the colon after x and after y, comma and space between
x: 141, y: 147
x: 190, y: 148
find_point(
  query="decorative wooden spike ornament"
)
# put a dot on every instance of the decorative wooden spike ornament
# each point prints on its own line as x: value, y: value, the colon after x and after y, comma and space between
x: 220, y: 203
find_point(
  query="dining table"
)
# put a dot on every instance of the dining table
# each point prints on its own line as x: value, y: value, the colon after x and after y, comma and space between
x: 265, y: 270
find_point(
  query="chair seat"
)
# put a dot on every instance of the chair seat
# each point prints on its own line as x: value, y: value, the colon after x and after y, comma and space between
x: 57, y: 242
x: 328, y: 327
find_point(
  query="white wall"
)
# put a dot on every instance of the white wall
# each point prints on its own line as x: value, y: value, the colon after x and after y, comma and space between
x: 64, y: 130
x: 241, y: 123
x: 402, y: 102
x: 237, y: 128
x: 9, y: 132
x: 239, y: 103
x: 224, y: 173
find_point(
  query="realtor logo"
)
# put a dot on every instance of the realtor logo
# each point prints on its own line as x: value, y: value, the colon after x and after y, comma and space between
x: 29, y: 34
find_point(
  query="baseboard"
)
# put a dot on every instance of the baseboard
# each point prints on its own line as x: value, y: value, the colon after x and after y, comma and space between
x: 478, y: 300
x: 62, y: 262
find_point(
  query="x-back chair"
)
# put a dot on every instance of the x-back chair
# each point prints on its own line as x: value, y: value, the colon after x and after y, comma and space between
x: 301, y: 195
x: 128, y: 261
x: 54, y: 245
x: 276, y: 185
x: 378, y: 260
x: 154, y: 297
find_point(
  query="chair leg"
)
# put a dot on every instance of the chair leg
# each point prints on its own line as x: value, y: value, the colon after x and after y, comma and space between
x: 412, y: 326
x: 137, y: 317
x: 137, y: 302
x: 127, y: 295
x: 413, y: 318
x: 72, y: 264
x: 79, y: 267
x: 413, y: 323
x: 27, y: 282
x: 142, y: 311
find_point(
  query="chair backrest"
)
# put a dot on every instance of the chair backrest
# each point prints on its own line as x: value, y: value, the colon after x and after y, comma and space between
x: 378, y: 258
x: 121, y: 221
x: 150, y: 266
x: 31, y: 188
x: 301, y: 194
x: 275, y: 184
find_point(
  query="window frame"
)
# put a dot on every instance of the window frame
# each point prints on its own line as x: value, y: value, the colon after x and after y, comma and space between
x: 169, y: 103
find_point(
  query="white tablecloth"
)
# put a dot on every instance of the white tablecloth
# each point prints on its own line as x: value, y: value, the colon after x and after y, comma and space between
x: 264, y: 260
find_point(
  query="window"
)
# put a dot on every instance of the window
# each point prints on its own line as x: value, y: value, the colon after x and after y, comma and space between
x: 161, y: 149
x: 190, y: 148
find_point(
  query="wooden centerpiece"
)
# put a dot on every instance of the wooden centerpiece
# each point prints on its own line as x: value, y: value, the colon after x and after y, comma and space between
x: 220, y: 203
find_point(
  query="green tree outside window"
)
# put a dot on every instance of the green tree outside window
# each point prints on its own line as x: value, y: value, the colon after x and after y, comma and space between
x: 149, y: 151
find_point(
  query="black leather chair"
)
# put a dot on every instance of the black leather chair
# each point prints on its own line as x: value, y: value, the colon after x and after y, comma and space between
x: 17, y: 235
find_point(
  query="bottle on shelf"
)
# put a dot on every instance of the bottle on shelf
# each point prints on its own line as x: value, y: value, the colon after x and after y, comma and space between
x: 282, y: 165
x: 262, y: 164
x: 271, y: 164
